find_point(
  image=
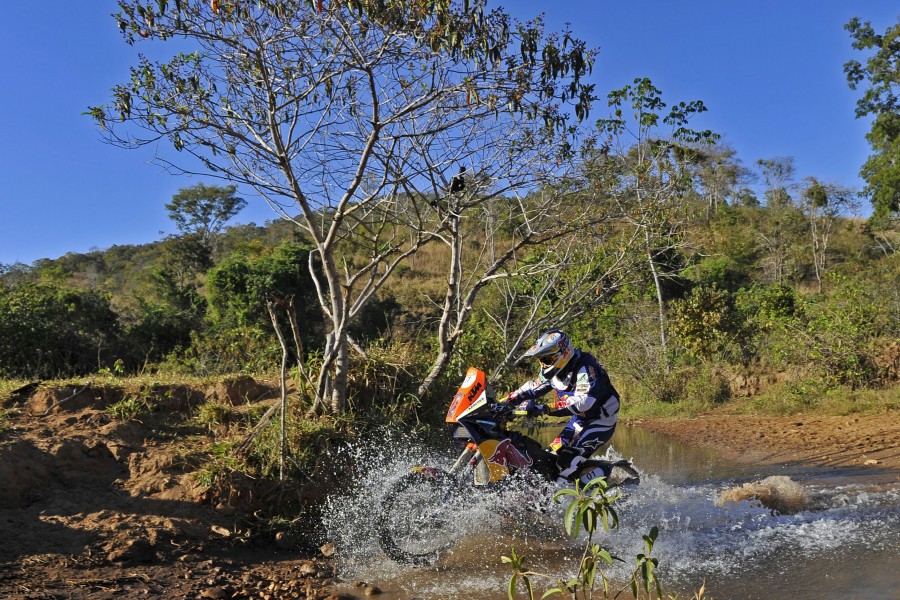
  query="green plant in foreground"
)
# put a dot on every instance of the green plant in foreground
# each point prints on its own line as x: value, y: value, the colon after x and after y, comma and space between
x: 221, y: 462
x: 590, y: 508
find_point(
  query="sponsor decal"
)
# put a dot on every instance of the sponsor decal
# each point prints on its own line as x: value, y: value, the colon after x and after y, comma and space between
x: 507, y: 455
x: 583, y: 382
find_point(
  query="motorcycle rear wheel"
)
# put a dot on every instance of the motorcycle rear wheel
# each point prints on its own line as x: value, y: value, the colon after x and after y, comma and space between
x: 417, y: 517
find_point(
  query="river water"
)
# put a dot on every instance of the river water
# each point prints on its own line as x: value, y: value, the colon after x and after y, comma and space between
x: 843, y: 543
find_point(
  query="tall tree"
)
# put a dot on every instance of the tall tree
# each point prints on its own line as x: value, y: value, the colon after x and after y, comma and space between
x: 778, y: 174
x: 780, y: 220
x: 345, y: 117
x: 881, y: 72
x: 645, y: 165
x: 202, y: 210
x: 720, y: 176
x: 822, y: 204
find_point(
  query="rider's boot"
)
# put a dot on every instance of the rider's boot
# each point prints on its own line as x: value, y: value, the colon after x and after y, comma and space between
x: 569, y: 462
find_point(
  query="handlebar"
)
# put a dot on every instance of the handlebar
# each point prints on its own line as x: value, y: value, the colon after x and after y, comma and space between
x: 508, y: 409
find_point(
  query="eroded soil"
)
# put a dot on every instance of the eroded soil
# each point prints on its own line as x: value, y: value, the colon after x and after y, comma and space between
x: 98, y: 506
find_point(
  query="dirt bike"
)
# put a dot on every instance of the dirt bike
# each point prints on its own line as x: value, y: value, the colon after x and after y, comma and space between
x: 419, y: 511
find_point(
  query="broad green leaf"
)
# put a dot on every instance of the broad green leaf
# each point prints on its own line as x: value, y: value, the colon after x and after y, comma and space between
x: 570, y: 523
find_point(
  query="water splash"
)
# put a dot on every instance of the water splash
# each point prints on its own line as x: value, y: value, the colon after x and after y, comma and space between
x: 778, y: 493
x: 740, y: 540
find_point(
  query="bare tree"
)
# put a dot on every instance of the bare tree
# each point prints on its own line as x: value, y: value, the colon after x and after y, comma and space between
x: 538, y: 244
x: 778, y: 174
x: 345, y: 118
x: 580, y: 272
x: 822, y: 204
x: 780, y: 220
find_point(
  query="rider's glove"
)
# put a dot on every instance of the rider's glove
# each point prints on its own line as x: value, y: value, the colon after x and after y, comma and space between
x: 531, y: 409
x: 536, y: 410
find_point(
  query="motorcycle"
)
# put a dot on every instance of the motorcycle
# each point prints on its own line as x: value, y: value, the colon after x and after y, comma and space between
x: 419, y: 511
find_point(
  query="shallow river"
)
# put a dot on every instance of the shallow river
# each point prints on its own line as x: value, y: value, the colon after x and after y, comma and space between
x: 844, y: 543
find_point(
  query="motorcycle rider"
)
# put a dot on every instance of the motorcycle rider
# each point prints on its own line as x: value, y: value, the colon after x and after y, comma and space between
x: 583, y: 390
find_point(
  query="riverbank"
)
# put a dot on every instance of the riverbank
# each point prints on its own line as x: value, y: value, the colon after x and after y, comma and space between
x: 858, y: 440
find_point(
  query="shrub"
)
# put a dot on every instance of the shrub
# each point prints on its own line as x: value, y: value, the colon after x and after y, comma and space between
x: 706, y: 324
x: 48, y: 331
x: 211, y: 414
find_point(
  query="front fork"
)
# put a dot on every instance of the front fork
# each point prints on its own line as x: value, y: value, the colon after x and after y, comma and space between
x: 467, y: 458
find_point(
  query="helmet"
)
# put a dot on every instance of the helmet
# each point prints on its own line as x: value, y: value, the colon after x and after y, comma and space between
x: 553, y: 350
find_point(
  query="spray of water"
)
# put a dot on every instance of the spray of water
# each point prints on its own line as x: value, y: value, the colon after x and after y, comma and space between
x: 699, y: 532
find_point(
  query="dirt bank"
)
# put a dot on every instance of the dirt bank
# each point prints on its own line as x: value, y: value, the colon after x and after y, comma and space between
x: 106, y: 492
x: 854, y: 440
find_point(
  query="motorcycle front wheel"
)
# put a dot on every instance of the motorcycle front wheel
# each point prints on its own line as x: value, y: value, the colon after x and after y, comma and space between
x: 418, y: 515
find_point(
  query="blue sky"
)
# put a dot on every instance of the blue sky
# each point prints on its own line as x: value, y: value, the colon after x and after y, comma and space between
x: 769, y: 71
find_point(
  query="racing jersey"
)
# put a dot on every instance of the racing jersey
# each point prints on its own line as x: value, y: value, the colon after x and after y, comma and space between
x: 582, y: 389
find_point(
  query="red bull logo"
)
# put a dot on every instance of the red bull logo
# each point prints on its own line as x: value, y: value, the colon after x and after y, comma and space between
x: 507, y: 455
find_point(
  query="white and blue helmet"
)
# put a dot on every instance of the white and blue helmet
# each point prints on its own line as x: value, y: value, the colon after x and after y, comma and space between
x: 553, y: 350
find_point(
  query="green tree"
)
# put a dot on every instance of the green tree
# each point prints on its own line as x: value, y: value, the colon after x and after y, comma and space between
x: 201, y: 211
x: 720, y: 173
x: 646, y: 164
x: 706, y: 323
x: 346, y: 117
x: 48, y: 331
x: 881, y: 72
x: 250, y: 294
x: 239, y: 288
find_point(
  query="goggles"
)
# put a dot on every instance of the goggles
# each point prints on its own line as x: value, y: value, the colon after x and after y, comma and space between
x: 548, y: 359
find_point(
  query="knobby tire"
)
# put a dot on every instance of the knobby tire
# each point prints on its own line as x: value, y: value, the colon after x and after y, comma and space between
x: 417, y: 519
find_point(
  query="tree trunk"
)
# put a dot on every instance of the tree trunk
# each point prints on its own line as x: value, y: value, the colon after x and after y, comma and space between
x: 341, y: 377
x: 437, y: 369
x: 662, y: 313
x: 284, y: 360
x: 451, y: 299
x: 336, y: 355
